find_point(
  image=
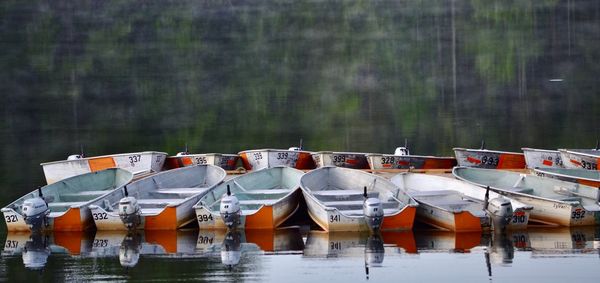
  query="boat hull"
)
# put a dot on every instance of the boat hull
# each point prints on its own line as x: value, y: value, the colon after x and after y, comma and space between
x: 578, y: 160
x: 268, y: 158
x: 353, y: 160
x: 225, y: 161
x: 462, y: 221
x: 334, y: 199
x: 137, y: 163
x: 579, y: 208
x: 266, y: 217
x: 489, y: 159
x: 390, y: 161
x: 167, y: 213
x: 68, y: 200
x: 541, y: 158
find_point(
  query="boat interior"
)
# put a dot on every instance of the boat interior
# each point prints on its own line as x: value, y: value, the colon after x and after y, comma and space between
x: 253, y: 190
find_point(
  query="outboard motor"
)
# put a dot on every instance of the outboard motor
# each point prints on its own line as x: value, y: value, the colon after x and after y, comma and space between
x: 294, y: 148
x: 401, y: 151
x: 500, y: 210
x: 129, y: 252
x: 230, y: 249
x: 36, y: 252
x: 75, y: 157
x: 35, y: 212
x: 129, y: 211
x: 230, y: 210
x: 373, y: 211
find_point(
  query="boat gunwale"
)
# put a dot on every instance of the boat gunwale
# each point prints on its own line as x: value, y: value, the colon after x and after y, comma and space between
x: 575, y: 152
x: 486, y: 150
x: 543, y: 171
x: 104, y: 156
x: 273, y: 150
x: 530, y: 149
x: 411, y: 155
x: 512, y: 192
x: 207, y: 154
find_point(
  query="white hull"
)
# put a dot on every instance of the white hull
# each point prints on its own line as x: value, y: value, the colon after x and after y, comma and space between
x: 580, y: 159
x: 137, y: 163
x: 541, y: 158
x: 225, y: 161
x: 268, y: 158
x: 354, y: 160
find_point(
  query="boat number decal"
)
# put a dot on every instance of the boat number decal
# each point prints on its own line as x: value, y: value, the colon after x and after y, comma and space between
x: 135, y: 159
x: 282, y: 155
x: 578, y: 214
x: 100, y: 243
x: 387, y: 160
x: 520, y: 241
x: 10, y: 244
x: 490, y: 160
x: 339, y: 158
x: 158, y: 159
x: 335, y: 245
x: 518, y: 219
x: 201, y: 160
x: 589, y: 165
x: 205, y: 218
x: 100, y: 215
x: 334, y: 218
x: 205, y: 240
x: 257, y: 155
x: 11, y: 218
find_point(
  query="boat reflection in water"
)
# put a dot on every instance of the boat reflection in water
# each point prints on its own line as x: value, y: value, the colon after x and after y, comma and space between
x: 129, y: 246
x: 230, y: 246
x: 445, y: 241
x: 35, y: 248
x: 371, y: 247
x: 560, y: 241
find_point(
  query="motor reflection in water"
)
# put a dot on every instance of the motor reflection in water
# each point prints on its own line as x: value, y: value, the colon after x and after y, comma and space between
x: 232, y: 245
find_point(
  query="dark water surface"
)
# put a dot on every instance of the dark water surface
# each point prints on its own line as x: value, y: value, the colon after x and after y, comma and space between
x: 224, y: 76
x: 289, y: 255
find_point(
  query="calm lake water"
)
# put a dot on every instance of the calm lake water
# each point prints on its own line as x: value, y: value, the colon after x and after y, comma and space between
x: 224, y: 76
x: 292, y: 255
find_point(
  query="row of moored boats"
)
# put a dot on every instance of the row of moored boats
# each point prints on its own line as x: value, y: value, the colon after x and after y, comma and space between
x: 149, y: 190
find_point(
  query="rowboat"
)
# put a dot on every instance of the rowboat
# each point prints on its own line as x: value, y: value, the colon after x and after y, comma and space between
x: 402, y: 159
x: 266, y: 158
x: 458, y: 206
x: 159, y: 202
x: 342, y: 199
x: 354, y: 160
x: 581, y: 176
x: 542, y: 158
x: 490, y: 159
x: 63, y: 205
x: 182, y: 159
x: 138, y: 163
x: 580, y: 158
x: 554, y: 201
x: 261, y: 199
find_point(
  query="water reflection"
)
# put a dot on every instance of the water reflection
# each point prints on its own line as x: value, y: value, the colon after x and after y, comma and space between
x: 230, y: 245
x: 231, y: 249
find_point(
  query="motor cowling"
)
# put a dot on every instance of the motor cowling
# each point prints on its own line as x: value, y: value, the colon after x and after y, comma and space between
x: 130, y: 212
x: 373, y: 212
x: 74, y: 157
x: 501, y: 212
x: 230, y: 210
x: 35, y: 213
x: 401, y: 151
